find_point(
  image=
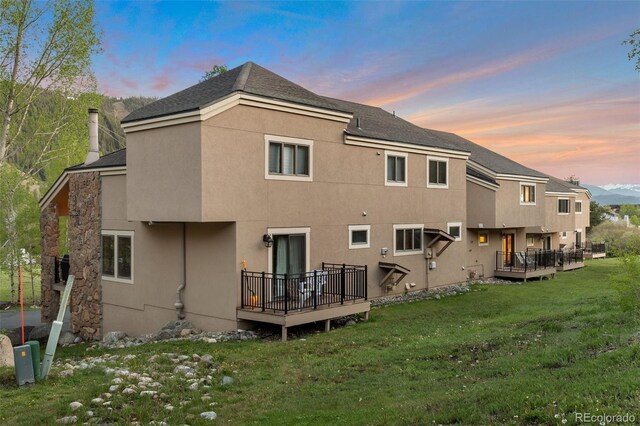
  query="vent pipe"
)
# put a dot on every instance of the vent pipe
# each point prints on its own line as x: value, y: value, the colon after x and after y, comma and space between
x: 93, y: 154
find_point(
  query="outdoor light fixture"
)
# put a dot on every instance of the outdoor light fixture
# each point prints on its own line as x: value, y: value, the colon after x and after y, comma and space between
x: 267, y: 239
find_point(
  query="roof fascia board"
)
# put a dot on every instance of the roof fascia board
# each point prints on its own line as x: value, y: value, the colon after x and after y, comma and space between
x: 114, y: 172
x: 483, y: 183
x: 582, y: 190
x: 522, y: 178
x: 53, y: 191
x: 117, y: 169
x: 230, y: 101
x: 403, y: 147
x: 482, y: 169
x: 560, y: 194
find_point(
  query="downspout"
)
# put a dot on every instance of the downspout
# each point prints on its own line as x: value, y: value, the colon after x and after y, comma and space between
x: 179, y: 305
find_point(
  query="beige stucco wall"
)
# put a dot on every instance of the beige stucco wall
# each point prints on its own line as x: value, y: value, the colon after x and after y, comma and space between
x: 556, y: 222
x: 511, y: 214
x: 582, y: 219
x: 481, y: 259
x: 481, y: 206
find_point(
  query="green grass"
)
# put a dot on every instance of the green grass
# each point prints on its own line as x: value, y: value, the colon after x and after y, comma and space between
x: 528, y: 354
x: 5, y: 287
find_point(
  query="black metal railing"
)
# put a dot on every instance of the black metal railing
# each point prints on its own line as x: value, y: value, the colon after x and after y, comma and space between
x: 333, y: 284
x: 599, y: 247
x: 570, y: 257
x: 525, y: 261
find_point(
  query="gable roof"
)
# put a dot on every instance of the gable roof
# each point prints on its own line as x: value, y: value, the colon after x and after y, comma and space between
x: 114, y: 159
x: 247, y: 78
x: 557, y: 185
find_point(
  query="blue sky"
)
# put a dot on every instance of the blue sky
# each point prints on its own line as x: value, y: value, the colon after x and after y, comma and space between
x: 545, y: 83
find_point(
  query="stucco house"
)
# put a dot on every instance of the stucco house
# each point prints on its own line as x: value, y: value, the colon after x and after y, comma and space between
x: 247, y: 198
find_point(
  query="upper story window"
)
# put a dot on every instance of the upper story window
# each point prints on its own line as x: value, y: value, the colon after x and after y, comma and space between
x: 407, y: 239
x: 117, y: 256
x: 455, y: 230
x: 395, y: 168
x: 288, y: 158
x: 527, y: 193
x: 437, y: 172
x: 578, y: 207
x: 359, y: 236
x: 563, y: 206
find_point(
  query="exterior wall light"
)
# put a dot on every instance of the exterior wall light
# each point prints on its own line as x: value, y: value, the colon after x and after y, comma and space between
x: 267, y: 239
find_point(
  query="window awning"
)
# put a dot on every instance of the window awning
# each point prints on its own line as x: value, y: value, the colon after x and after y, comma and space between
x: 393, y: 269
x: 436, y: 236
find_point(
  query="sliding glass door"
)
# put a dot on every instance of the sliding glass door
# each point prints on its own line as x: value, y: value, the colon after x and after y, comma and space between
x: 289, y: 257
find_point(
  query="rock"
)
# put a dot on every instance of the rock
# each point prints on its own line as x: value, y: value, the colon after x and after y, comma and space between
x: 66, y: 338
x: 75, y: 405
x: 148, y: 393
x: 113, y: 337
x: 128, y: 391
x: 185, y: 332
x: 350, y: 323
x: 15, y: 335
x: 114, y: 388
x: 129, y: 357
x: 207, y: 360
x: 117, y: 380
x: 173, y: 329
x: 89, y: 414
x: 97, y: 401
x: 209, y: 415
x: 193, y: 386
x: 182, y: 369
x: 226, y: 380
x: 40, y: 333
x: 68, y: 420
x: 6, y: 352
x: 168, y: 407
x: 195, y: 358
x: 66, y: 373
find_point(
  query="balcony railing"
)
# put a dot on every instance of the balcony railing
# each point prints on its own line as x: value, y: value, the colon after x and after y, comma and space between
x: 595, y: 248
x: 331, y: 285
x: 570, y: 257
x: 525, y: 261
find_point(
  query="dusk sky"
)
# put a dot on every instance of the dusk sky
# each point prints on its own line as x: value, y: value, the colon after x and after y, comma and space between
x: 546, y: 84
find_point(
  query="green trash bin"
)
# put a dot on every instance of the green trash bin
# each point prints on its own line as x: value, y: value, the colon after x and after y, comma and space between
x: 35, y: 356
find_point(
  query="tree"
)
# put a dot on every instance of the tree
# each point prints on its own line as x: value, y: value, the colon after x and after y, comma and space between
x: 634, y: 42
x: 214, y: 71
x: 45, y: 47
x: 596, y: 214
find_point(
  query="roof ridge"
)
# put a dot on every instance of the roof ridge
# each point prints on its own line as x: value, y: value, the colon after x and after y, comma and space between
x: 241, y: 81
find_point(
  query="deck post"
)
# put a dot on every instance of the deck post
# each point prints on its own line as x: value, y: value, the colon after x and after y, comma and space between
x: 327, y: 325
x: 315, y: 289
x: 366, y: 290
x: 242, y: 289
x: 366, y: 316
x: 263, y: 291
x: 284, y: 333
x: 342, y: 283
x: 286, y: 295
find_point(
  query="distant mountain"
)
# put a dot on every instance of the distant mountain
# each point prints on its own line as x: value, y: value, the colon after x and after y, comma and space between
x: 113, y: 110
x: 615, y: 194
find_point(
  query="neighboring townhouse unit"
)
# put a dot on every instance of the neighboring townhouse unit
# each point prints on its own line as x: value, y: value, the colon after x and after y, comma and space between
x: 249, y: 198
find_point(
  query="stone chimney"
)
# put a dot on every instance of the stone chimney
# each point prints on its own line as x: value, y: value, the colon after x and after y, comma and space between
x: 93, y: 154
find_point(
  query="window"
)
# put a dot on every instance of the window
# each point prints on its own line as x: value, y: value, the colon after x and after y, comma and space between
x: 530, y: 240
x: 437, y: 172
x: 395, y: 168
x: 455, y: 230
x: 483, y: 238
x: 407, y: 239
x: 288, y: 158
x: 117, y: 256
x: 359, y: 236
x: 578, y: 207
x: 563, y: 206
x: 527, y: 194
x: 563, y: 234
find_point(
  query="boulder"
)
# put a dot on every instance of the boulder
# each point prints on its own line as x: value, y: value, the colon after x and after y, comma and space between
x: 6, y: 352
x: 66, y: 338
x: 113, y: 337
x: 40, y: 333
x: 175, y: 327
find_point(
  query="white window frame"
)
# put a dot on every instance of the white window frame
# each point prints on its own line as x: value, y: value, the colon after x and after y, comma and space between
x: 290, y: 231
x: 408, y: 226
x: 452, y: 224
x: 483, y: 233
x: 404, y: 155
x: 533, y: 240
x: 438, y: 185
x: 116, y: 234
x: 578, y: 202
x: 535, y: 194
x: 293, y: 141
x: 568, y: 206
x: 353, y: 245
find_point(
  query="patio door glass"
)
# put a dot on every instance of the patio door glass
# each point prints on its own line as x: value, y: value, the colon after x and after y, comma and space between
x: 289, y: 257
x: 507, y: 249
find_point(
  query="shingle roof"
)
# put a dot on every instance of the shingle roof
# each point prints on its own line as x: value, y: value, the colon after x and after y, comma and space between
x: 377, y: 123
x: 114, y: 159
x: 247, y: 78
x: 557, y: 185
x: 481, y: 176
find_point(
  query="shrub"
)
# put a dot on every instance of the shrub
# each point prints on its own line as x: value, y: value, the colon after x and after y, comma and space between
x: 620, y: 239
x: 627, y: 282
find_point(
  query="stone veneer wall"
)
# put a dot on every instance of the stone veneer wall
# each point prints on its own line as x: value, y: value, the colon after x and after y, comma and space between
x: 49, y: 241
x: 85, y: 223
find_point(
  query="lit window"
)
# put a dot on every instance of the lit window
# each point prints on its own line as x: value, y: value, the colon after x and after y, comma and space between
x: 359, y: 236
x: 527, y: 194
x: 117, y: 255
x: 437, y: 172
x: 563, y: 206
x: 395, y: 169
x: 288, y: 158
x: 407, y: 239
x: 483, y: 238
x: 455, y: 230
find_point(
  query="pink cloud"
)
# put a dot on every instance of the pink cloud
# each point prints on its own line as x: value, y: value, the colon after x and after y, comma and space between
x: 161, y: 82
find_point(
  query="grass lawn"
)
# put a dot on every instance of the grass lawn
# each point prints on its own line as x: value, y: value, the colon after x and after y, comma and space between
x: 5, y: 287
x: 525, y: 354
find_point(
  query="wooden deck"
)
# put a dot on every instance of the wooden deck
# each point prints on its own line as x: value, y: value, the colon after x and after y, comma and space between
x: 526, y: 275
x: 304, y: 315
x: 570, y: 266
x: 588, y: 255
